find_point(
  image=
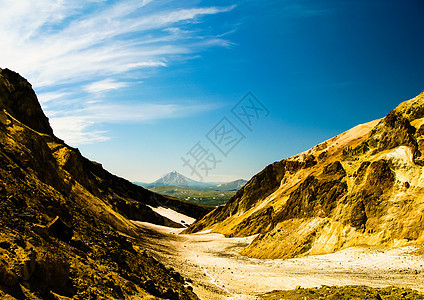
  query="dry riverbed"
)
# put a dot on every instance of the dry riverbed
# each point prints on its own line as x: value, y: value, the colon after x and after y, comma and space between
x: 219, y: 272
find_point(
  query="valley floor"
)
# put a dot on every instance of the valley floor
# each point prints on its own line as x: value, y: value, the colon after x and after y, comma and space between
x: 219, y: 272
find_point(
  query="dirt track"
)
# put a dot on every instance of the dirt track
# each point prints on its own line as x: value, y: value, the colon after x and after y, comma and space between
x: 219, y: 272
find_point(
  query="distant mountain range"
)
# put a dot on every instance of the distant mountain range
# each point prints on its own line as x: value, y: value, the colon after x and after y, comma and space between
x: 176, y: 179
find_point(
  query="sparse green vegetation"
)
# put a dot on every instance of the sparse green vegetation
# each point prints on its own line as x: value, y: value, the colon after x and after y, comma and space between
x: 211, y: 198
x: 345, y: 292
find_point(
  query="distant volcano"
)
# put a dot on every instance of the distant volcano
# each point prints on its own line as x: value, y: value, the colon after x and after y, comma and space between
x: 176, y: 179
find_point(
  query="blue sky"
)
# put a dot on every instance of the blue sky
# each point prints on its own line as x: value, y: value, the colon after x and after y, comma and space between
x: 136, y: 85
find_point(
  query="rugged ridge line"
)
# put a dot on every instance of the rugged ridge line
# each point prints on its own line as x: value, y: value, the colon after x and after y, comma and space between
x: 19, y: 99
x: 361, y: 187
x: 65, y: 221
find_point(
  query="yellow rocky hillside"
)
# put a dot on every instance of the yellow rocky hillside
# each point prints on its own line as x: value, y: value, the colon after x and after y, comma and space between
x: 362, y: 187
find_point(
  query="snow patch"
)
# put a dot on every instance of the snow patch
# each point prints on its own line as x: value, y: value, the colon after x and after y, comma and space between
x: 173, y: 215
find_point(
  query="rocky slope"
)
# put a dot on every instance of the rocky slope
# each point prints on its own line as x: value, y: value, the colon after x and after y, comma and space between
x: 229, y: 186
x: 362, y: 187
x: 65, y: 221
x: 346, y: 292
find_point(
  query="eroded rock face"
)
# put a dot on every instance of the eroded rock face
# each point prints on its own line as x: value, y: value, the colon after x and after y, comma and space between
x: 64, y: 224
x: 251, y: 194
x: 394, y: 130
x: 19, y: 99
x: 361, y: 187
x: 313, y: 198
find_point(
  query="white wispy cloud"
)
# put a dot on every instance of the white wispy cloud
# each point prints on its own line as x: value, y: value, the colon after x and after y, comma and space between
x: 77, y: 125
x: 104, y: 85
x: 46, y: 97
x: 92, y: 45
x: 53, y: 42
x: 77, y: 130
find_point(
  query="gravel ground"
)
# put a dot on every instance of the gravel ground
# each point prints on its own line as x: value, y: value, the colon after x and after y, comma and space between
x: 217, y: 271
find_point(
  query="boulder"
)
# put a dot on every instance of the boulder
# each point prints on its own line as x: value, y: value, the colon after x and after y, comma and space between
x: 7, y: 276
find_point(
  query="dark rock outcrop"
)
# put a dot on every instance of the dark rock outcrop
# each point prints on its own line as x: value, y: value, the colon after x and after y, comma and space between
x: 19, y: 99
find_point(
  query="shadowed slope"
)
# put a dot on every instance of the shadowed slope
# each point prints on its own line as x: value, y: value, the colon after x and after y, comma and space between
x: 65, y: 220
